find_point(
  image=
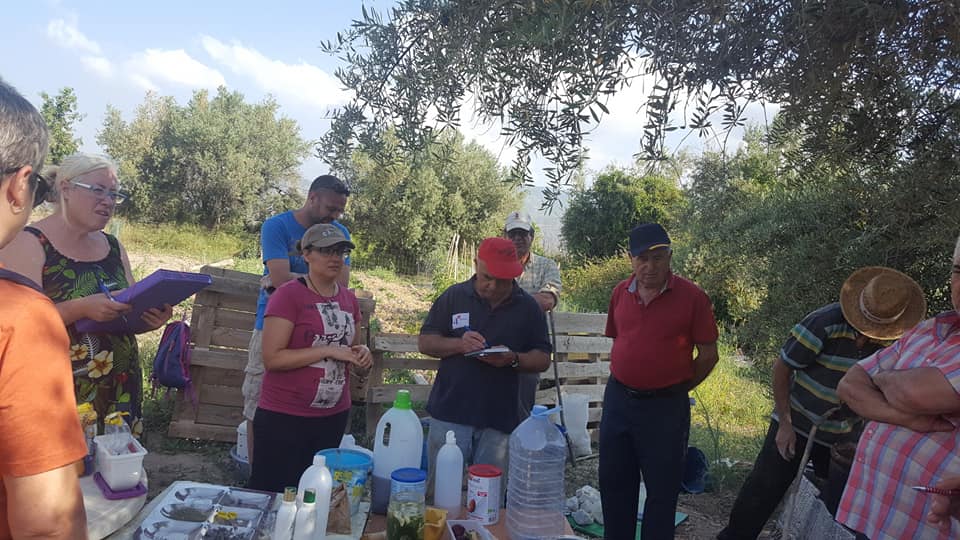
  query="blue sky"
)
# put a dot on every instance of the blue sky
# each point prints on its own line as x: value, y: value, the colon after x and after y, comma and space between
x: 113, y: 52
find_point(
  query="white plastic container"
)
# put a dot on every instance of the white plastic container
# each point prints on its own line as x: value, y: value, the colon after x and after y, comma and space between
x: 398, y: 444
x: 242, y: 442
x: 349, y: 442
x: 576, y: 415
x: 535, y: 501
x: 121, y: 471
x: 305, y: 525
x: 315, y: 477
x: 448, y: 480
x: 286, y: 515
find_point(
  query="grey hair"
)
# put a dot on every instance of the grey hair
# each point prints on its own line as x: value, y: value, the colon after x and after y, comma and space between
x: 23, y: 133
x: 72, y: 167
x: 956, y: 251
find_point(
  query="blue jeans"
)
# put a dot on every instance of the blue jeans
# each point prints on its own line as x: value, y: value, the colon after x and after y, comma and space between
x: 641, y: 439
x: 487, y: 446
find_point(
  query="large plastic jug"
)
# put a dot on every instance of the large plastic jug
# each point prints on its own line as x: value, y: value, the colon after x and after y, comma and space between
x: 535, y: 493
x: 398, y: 444
x: 448, y: 487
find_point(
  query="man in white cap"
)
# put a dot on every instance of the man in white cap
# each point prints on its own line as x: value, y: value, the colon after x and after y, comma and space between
x: 877, y: 305
x: 541, y: 276
x: 540, y: 279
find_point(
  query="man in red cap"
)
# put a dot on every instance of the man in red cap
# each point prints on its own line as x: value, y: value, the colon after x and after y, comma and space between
x: 486, y: 331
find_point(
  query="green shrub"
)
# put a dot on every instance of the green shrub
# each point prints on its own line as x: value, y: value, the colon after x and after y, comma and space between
x: 587, y: 287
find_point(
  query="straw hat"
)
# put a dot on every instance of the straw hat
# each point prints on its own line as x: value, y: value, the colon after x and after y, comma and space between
x: 882, y: 303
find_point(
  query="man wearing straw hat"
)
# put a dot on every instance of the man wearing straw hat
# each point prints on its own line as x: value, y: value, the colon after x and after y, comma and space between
x: 877, y: 305
x: 910, y: 392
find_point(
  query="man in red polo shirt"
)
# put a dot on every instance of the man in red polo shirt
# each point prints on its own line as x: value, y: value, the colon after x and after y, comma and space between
x: 656, y: 319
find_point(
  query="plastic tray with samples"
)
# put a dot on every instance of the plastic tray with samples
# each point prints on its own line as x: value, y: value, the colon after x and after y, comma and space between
x: 205, y: 511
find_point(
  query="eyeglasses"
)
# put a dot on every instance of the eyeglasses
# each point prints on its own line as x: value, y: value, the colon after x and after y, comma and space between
x: 40, y: 185
x: 332, y: 251
x: 102, y: 193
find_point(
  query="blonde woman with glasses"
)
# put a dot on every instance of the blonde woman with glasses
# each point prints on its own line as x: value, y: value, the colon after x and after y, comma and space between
x: 79, y: 267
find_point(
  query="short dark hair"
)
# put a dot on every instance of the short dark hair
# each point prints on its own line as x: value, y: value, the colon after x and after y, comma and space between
x: 23, y: 133
x: 330, y: 183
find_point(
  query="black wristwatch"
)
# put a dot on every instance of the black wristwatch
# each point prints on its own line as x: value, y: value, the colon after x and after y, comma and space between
x: 516, y: 360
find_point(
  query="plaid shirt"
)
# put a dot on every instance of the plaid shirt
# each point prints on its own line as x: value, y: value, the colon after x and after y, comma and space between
x: 540, y: 274
x: 878, y: 500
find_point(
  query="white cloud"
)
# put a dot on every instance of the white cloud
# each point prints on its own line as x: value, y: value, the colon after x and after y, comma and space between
x: 151, y: 66
x: 303, y: 83
x: 67, y: 35
x: 99, y: 65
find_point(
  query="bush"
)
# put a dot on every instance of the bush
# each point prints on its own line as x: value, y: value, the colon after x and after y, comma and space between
x: 587, y: 288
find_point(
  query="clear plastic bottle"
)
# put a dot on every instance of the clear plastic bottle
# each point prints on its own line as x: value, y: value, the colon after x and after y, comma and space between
x: 448, y: 481
x: 535, y: 502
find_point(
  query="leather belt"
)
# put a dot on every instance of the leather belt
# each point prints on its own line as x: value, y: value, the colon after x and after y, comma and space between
x: 678, y: 389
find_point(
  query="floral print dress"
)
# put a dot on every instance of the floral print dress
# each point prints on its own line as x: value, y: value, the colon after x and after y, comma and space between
x: 113, y: 380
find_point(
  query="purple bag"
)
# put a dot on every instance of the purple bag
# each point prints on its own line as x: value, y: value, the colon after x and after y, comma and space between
x: 171, y: 365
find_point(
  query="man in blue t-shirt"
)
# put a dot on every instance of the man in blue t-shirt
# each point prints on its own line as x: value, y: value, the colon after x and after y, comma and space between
x: 279, y: 235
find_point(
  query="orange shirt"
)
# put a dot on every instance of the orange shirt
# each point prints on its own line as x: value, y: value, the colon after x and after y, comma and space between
x: 39, y: 427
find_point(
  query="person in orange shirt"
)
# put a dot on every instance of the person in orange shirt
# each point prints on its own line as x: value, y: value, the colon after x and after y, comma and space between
x: 40, y: 434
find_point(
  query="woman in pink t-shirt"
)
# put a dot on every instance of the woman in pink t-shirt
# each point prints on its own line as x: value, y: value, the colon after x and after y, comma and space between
x: 310, y: 333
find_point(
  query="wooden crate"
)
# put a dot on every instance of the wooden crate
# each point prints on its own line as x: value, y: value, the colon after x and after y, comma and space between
x: 583, y: 365
x: 221, y: 325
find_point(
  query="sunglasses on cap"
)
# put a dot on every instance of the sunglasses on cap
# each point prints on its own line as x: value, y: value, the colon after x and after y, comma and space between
x: 40, y: 185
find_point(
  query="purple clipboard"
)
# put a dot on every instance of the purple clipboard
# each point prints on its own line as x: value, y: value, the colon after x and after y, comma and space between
x: 159, y: 288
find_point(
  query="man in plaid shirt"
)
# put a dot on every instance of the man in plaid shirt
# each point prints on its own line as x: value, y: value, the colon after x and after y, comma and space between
x: 911, y: 393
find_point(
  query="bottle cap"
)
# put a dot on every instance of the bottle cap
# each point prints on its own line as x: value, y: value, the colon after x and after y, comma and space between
x: 289, y: 494
x: 309, y: 496
x: 403, y: 400
x: 320, y: 459
x: 451, y: 437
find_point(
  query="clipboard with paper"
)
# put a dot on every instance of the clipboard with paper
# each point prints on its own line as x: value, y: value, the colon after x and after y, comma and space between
x: 159, y: 288
x: 489, y: 350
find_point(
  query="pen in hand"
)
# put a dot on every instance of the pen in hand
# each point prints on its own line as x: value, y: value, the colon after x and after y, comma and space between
x: 106, y: 292
x: 467, y: 329
x: 938, y: 491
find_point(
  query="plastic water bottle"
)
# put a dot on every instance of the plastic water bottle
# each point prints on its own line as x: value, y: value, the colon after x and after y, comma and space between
x: 286, y: 514
x: 305, y: 525
x: 398, y: 444
x: 535, y: 502
x: 448, y: 480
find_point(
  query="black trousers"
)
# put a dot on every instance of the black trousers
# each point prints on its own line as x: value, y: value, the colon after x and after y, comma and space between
x: 284, y: 446
x: 768, y: 482
x: 648, y: 437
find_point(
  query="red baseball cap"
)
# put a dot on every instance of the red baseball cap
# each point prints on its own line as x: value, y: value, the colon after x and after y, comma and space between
x: 500, y: 257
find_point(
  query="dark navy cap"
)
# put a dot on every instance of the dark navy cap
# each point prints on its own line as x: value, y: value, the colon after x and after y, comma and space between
x: 647, y: 236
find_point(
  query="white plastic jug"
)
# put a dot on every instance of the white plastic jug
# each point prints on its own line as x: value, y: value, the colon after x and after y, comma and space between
x: 535, y: 496
x: 398, y: 444
x: 448, y: 480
